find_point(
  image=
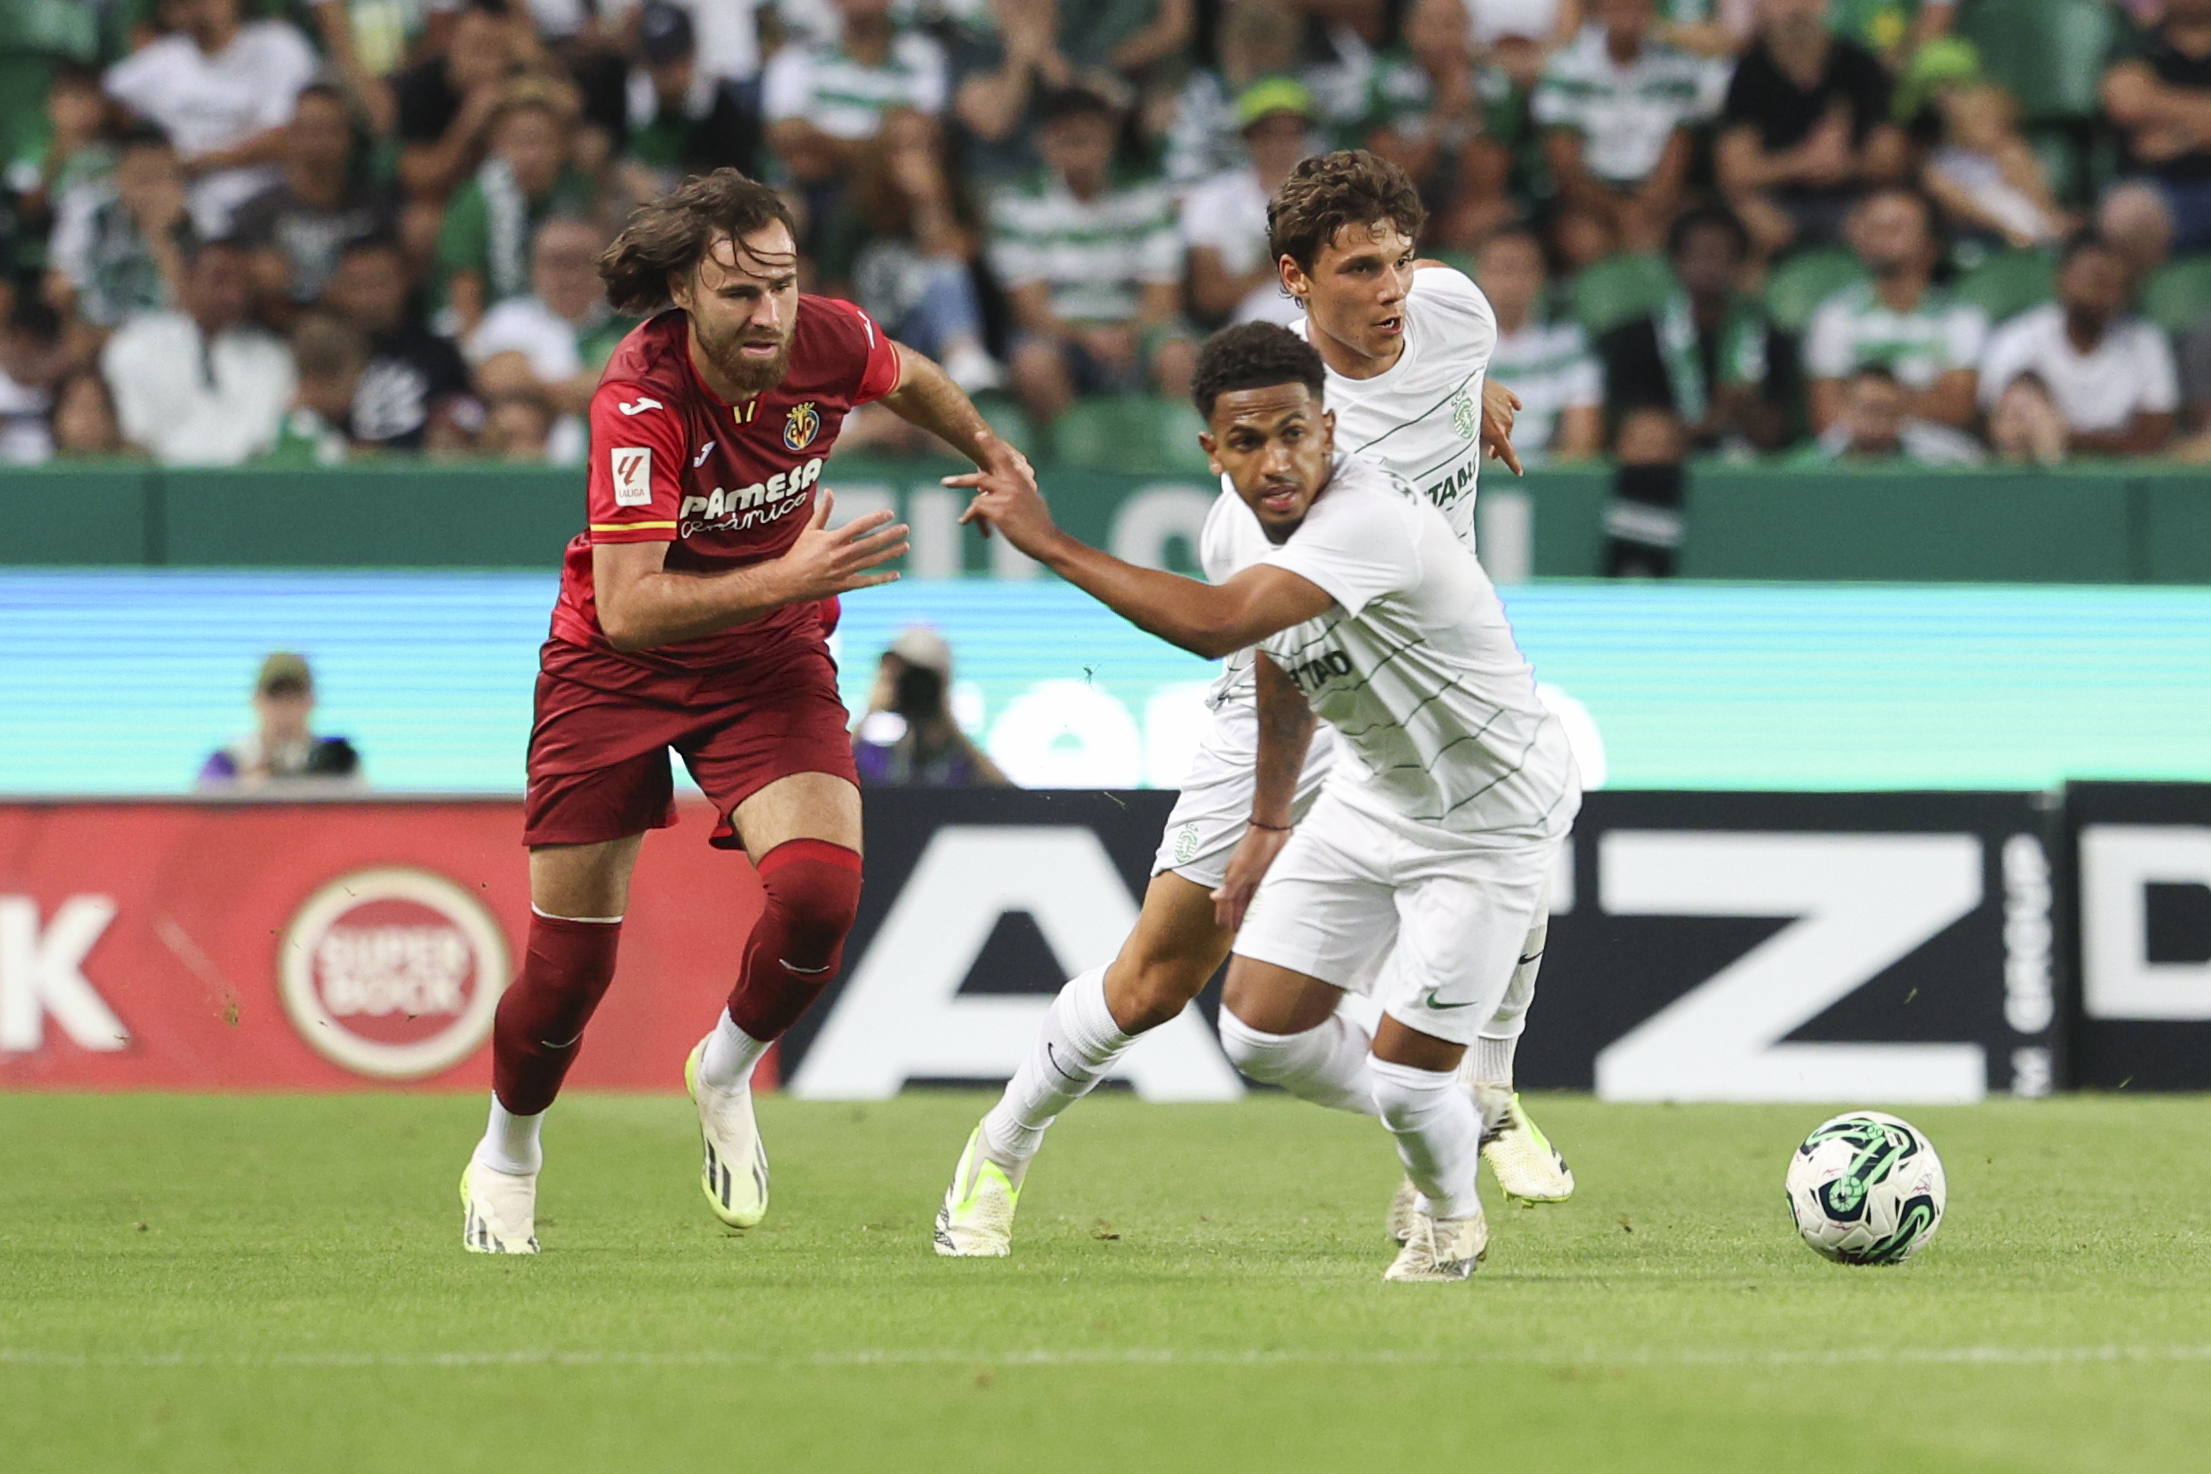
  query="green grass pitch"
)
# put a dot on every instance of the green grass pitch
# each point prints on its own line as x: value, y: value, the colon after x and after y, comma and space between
x: 277, y: 1283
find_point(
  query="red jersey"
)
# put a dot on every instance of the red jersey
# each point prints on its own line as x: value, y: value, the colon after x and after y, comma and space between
x: 729, y: 485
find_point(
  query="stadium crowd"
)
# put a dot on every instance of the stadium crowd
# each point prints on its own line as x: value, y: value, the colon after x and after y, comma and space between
x: 304, y: 231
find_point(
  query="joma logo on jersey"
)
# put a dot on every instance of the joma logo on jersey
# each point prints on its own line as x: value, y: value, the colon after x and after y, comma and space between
x: 1313, y: 674
x: 748, y: 506
x: 802, y: 425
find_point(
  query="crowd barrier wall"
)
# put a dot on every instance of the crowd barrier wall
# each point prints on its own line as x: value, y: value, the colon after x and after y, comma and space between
x: 2113, y: 524
x: 1876, y: 948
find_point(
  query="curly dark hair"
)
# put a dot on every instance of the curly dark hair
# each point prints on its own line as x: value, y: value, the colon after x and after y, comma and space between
x: 666, y: 238
x: 1327, y: 192
x: 1254, y: 355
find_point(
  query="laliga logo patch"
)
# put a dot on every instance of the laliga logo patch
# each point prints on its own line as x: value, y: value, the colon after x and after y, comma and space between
x: 803, y: 425
x: 392, y: 972
x: 1464, y: 417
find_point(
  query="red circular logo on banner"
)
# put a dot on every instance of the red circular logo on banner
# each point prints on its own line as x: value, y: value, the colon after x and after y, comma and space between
x: 393, y: 972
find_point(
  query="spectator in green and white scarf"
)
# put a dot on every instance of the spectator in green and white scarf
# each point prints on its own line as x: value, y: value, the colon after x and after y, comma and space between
x: 483, y: 252
x: 1708, y: 360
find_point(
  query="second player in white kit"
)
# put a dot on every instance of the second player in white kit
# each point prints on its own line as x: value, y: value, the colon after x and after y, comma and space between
x: 1418, y: 877
x: 1413, y: 346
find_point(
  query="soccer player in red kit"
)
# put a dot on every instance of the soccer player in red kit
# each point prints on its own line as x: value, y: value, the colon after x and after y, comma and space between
x: 693, y: 614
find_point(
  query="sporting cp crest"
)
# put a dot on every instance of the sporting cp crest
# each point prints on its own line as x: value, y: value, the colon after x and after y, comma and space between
x: 803, y: 425
x: 1464, y: 417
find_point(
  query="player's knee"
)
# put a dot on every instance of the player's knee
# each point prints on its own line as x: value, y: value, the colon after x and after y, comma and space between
x: 1268, y: 1058
x: 565, y: 972
x: 813, y: 894
x: 1152, y: 992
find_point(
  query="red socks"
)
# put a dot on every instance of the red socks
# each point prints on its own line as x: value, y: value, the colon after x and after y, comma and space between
x: 813, y: 893
x: 541, y: 1018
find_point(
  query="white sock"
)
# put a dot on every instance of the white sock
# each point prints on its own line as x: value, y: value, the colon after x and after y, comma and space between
x: 510, y: 1141
x: 1327, y: 1065
x: 1439, y: 1136
x: 1493, y: 1060
x: 1077, y: 1047
x: 1489, y: 1062
x: 730, y: 1055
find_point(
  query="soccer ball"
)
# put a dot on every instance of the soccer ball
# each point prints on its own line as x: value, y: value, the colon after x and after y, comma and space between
x: 1866, y: 1188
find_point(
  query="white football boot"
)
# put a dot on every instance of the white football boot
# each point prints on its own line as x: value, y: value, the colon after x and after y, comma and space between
x: 498, y: 1210
x: 1440, y: 1250
x: 1526, y: 1165
x: 976, y: 1219
x: 734, y: 1175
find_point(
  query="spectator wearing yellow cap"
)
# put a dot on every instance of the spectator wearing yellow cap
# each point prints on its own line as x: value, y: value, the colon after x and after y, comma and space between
x: 282, y: 749
x: 1224, y: 220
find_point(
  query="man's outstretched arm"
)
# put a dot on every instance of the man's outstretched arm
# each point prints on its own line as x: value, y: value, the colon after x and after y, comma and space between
x: 1201, y: 618
x: 927, y: 397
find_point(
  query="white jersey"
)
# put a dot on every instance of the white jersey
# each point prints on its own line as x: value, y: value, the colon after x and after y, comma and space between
x: 1422, y: 416
x: 1415, y: 668
x: 1450, y: 333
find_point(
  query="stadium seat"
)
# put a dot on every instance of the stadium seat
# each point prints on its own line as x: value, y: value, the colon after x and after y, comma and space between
x: 2178, y: 294
x: 1619, y: 288
x: 2048, y: 53
x: 1130, y: 433
x: 2007, y: 283
x: 1801, y: 283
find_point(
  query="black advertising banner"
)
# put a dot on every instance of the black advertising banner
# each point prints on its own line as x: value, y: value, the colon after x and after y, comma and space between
x: 2141, y: 870
x: 1877, y: 948
x: 1891, y: 947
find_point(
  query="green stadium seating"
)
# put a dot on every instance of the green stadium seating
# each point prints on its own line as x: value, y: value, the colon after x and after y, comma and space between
x: 2048, y: 53
x: 2007, y: 283
x: 2178, y: 294
x: 1618, y: 288
x: 1801, y: 283
x: 1132, y: 433
x: 1012, y: 426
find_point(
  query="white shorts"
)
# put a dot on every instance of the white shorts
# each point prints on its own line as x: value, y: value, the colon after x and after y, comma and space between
x: 1448, y: 924
x: 1215, y: 806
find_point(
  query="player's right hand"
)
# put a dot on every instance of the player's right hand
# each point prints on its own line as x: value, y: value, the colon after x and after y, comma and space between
x: 1007, y: 500
x: 1247, y: 866
x: 827, y: 561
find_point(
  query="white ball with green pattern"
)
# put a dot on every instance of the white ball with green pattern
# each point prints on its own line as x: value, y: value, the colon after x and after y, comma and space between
x: 1867, y: 1188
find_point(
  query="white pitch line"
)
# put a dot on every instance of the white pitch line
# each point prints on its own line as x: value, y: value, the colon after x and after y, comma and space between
x: 1998, y: 1356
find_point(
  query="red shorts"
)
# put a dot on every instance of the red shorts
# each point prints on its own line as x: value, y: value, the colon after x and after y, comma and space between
x: 599, y: 748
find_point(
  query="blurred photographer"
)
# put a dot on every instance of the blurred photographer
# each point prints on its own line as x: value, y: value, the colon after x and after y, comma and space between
x: 283, y: 749
x: 909, y: 738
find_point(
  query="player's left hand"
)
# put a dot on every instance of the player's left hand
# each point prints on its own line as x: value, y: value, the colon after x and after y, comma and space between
x: 1247, y: 866
x: 1499, y: 406
x: 1007, y: 500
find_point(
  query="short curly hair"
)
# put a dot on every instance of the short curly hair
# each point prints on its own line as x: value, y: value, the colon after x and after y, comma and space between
x: 1254, y: 355
x: 1327, y: 192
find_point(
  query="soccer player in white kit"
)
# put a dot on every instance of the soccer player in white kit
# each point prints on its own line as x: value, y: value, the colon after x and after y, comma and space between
x: 1412, y: 341
x: 1419, y: 876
